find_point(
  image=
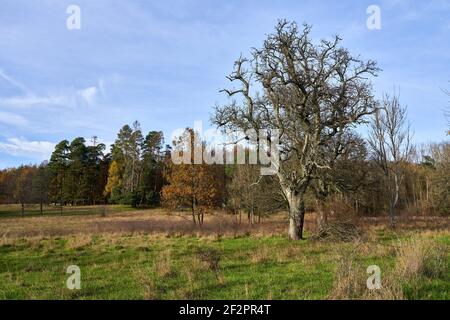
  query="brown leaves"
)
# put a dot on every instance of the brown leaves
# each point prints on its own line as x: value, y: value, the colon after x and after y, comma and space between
x: 197, y: 186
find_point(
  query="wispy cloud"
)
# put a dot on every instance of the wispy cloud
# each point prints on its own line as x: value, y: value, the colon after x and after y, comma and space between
x: 12, y: 119
x: 32, y: 100
x: 88, y: 95
x: 12, y: 81
x: 39, y: 150
x: 71, y: 98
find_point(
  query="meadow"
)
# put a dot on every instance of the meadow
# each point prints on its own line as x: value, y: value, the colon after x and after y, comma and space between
x: 124, y: 253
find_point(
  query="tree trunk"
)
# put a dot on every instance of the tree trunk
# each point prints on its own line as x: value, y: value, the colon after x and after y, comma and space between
x: 393, y: 202
x: 193, y: 210
x: 296, y: 216
x: 391, y: 215
x: 250, y: 216
x: 193, y: 216
x: 40, y: 207
x: 322, y: 216
x: 23, y: 209
x: 142, y: 199
x: 302, y: 218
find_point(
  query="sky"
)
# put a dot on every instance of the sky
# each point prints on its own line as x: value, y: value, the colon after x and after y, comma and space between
x: 163, y: 63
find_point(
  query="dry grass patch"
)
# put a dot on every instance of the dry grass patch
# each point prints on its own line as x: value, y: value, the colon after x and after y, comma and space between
x: 163, y: 265
x: 351, y: 280
x: 147, y: 283
x: 419, y: 257
x: 261, y: 254
x: 79, y: 241
x: 416, y: 259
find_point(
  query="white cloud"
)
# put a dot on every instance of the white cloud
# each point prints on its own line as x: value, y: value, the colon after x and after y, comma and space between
x: 69, y: 99
x: 32, y: 100
x: 40, y: 150
x: 13, y: 119
x: 88, y: 95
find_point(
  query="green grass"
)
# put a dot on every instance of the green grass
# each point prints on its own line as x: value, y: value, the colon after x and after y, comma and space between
x: 141, y: 267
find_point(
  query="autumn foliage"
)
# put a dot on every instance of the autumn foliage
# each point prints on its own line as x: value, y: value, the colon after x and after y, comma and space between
x: 197, y: 187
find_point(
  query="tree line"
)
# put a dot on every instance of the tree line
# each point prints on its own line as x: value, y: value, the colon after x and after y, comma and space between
x: 139, y: 172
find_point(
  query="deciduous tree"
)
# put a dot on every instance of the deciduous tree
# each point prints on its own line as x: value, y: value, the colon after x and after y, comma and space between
x: 309, y: 92
x: 390, y: 140
x: 199, y: 187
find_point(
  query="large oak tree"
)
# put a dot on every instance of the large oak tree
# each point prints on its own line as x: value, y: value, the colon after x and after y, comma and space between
x: 311, y: 93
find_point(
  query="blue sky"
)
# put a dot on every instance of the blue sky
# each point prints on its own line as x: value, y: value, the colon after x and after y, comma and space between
x: 164, y: 62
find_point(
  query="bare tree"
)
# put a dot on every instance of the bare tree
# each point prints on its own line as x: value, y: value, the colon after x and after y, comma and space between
x: 309, y: 93
x: 390, y: 140
x: 345, y: 155
x: 252, y: 193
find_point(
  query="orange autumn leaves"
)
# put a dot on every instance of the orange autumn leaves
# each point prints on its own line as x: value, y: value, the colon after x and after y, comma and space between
x: 197, y: 187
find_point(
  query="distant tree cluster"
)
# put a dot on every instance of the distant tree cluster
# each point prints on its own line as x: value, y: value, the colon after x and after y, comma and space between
x: 136, y: 173
x: 78, y: 172
x: 25, y: 184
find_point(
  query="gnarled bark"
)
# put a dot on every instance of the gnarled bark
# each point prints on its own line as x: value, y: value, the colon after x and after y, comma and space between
x: 296, y: 218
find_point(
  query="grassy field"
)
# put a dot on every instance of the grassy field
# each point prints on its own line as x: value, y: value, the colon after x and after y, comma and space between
x: 149, y: 254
